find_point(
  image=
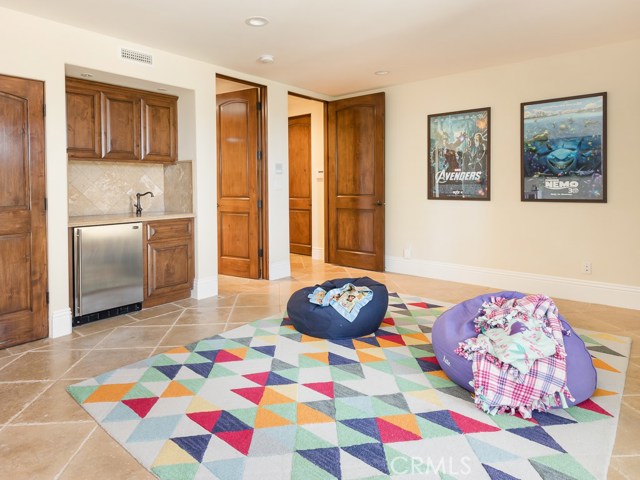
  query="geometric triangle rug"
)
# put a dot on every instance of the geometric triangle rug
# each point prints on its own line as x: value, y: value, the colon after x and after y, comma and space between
x: 263, y: 401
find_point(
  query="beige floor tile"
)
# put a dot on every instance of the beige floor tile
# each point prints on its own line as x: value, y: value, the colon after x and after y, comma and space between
x: 247, y: 314
x: 76, y: 342
x: 40, y: 451
x: 102, y: 454
x: 204, y: 315
x: 624, y: 468
x: 212, y: 302
x: 102, y: 325
x: 53, y: 406
x: 258, y: 299
x: 41, y: 365
x: 133, y: 337
x: 184, y: 334
x: 155, y: 311
x: 101, y: 361
x: 632, y: 382
x: 162, y: 320
x: 15, y: 395
x: 628, y: 427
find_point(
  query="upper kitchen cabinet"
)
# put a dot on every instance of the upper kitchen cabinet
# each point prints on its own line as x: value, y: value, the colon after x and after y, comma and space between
x: 84, y: 121
x: 121, y: 116
x: 120, y: 124
x: 159, y: 128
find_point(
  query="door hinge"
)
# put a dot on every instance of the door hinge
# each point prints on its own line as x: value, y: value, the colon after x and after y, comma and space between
x: 259, y: 154
x: 260, y: 253
x: 47, y: 296
x: 46, y: 204
x: 259, y: 203
x: 44, y: 109
x: 259, y: 106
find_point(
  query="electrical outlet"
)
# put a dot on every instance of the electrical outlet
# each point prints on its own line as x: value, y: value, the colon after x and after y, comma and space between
x: 407, y: 252
x: 586, y: 268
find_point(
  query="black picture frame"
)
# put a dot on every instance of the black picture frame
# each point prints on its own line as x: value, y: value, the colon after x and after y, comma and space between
x: 563, y: 149
x: 459, y: 155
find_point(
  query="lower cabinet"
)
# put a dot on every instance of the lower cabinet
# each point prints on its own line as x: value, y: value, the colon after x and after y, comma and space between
x: 168, y: 261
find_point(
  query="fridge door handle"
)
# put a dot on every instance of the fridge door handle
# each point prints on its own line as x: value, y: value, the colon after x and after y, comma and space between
x: 77, y: 243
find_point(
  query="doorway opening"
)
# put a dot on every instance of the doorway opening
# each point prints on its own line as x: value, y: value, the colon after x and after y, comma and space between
x: 306, y: 176
x: 242, y: 208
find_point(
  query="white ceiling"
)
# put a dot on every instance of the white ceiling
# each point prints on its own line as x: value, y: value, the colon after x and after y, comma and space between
x: 335, y: 46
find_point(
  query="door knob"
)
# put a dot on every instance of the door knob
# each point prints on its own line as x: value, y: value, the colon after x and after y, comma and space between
x: 379, y: 203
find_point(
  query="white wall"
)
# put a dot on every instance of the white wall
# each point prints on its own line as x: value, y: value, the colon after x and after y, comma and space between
x: 303, y: 106
x: 507, y: 243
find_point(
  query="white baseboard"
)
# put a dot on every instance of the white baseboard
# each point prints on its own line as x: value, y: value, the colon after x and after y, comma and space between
x: 279, y: 270
x: 617, y: 295
x: 317, y: 253
x: 204, y: 288
x: 60, y: 323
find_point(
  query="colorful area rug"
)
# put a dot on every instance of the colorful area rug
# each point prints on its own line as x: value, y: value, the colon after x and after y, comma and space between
x: 265, y: 402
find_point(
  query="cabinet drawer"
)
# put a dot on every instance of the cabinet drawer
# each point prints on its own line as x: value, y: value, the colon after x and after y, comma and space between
x: 169, y: 229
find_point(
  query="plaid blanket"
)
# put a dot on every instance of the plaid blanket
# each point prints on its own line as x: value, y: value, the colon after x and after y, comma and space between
x: 499, y: 386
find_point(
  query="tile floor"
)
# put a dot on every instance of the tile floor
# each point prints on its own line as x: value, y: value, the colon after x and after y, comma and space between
x: 45, y: 435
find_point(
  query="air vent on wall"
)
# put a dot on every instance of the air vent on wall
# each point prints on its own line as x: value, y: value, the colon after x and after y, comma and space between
x: 136, y: 56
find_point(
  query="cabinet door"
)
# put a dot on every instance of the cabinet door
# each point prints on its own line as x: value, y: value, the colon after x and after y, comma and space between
x: 84, y: 123
x: 169, y: 267
x: 121, y: 125
x: 159, y: 129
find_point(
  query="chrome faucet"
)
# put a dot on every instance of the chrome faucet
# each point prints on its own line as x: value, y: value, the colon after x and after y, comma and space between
x: 138, y: 205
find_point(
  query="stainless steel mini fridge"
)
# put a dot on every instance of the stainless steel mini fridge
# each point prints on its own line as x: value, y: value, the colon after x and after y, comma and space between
x: 108, y: 275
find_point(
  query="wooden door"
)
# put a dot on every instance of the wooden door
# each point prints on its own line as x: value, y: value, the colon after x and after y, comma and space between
x: 238, y: 186
x: 23, y: 239
x: 159, y: 129
x: 121, y: 126
x: 300, y: 184
x: 355, y: 182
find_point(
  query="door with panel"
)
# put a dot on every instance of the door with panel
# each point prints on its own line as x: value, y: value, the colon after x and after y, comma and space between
x: 23, y: 236
x: 238, y: 186
x: 355, y: 182
x: 121, y: 112
x: 300, y: 220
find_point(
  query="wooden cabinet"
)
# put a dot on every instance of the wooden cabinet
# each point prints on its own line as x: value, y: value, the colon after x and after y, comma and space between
x: 121, y: 113
x: 159, y: 129
x: 168, y: 261
x: 84, y: 122
x: 120, y: 124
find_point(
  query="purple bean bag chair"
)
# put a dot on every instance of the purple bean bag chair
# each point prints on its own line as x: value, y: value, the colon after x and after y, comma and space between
x: 456, y: 325
x: 326, y: 322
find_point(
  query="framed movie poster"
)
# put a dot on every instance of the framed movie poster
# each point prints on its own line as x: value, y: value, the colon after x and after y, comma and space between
x: 563, y: 149
x: 459, y: 155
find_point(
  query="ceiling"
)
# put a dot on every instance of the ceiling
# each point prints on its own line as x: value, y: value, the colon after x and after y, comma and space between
x: 333, y: 47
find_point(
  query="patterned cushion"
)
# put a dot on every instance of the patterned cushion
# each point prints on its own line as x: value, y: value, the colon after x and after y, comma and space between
x: 326, y: 322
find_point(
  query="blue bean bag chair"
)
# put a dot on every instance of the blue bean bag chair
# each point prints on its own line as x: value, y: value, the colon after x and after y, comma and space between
x: 325, y: 322
x: 456, y: 325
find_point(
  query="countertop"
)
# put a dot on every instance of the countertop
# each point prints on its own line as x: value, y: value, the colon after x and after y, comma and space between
x: 86, y: 221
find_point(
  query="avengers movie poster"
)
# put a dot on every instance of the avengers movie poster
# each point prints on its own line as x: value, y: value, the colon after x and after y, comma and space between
x: 563, y: 149
x: 459, y: 155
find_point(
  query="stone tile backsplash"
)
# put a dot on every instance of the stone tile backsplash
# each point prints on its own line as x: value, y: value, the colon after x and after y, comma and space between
x: 103, y: 188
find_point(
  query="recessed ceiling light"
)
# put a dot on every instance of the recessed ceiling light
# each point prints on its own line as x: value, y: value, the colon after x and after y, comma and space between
x: 266, y: 59
x: 382, y: 72
x: 256, y: 21
x: 86, y: 75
